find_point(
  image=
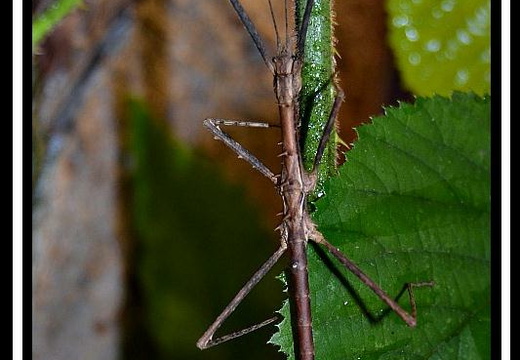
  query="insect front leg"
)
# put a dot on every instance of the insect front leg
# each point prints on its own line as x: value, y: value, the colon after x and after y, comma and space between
x: 327, y: 131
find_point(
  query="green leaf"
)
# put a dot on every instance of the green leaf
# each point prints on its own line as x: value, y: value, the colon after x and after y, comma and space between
x: 412, y: 204
x: 442, y: 45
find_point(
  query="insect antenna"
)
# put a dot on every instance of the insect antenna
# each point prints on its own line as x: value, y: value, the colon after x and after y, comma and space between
x: 278, y: 45
x: 286, y: 24
x: 251, y: 29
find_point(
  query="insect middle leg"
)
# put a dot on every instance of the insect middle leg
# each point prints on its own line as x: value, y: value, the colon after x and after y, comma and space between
x: 213, y: 126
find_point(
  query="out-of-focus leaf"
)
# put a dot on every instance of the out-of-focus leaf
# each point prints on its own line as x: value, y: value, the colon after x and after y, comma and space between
x: 412, y: 204
x: 47, y: 20
x: 442, y: 45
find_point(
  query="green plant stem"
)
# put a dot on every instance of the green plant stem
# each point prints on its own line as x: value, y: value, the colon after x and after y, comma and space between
x: 318, y: 90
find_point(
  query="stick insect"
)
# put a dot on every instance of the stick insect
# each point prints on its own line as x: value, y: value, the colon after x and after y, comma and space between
x: 294, y: 184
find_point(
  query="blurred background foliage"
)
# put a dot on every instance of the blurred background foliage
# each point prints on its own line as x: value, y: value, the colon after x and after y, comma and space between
x: 144, y: 227
x: 197, y: 239
x: 442, y: 46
